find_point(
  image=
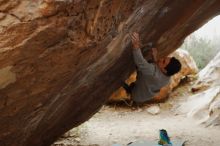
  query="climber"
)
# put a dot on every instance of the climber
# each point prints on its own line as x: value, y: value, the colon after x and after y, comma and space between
x: 151, y: 75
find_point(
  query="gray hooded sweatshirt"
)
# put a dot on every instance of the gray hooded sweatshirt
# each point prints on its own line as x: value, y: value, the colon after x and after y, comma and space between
x: 149, y: 78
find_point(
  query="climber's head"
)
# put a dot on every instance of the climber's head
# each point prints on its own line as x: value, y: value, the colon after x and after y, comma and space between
x: 169, y: 65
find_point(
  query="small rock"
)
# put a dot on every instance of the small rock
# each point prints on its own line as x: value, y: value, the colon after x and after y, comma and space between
x: 77, y: 139
x: 154, y: 110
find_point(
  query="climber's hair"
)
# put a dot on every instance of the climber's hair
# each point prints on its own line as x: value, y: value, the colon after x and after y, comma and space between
x: 173, y: 67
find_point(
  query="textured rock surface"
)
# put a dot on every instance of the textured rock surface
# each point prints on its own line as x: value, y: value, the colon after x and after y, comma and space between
x: 188, y: 68
x: 205, y: 105
x: 60, y: 60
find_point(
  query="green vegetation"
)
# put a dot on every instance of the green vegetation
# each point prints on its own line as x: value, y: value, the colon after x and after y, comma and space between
x: 201, y: 49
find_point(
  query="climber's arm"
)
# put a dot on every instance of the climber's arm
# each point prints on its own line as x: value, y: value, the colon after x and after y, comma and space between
x: 139, y: 60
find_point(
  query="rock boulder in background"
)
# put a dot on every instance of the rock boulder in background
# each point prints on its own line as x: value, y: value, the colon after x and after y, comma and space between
x: 205, y: 104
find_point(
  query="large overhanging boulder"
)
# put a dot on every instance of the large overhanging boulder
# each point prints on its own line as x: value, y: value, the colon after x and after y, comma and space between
x: 60, y: 60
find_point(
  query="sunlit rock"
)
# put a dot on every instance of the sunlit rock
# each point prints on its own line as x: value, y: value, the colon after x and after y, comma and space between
x: 209, y: 76
x: 205, y: 104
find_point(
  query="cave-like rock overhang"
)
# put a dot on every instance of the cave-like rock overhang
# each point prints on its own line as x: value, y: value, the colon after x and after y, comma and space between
x: 61, y: 60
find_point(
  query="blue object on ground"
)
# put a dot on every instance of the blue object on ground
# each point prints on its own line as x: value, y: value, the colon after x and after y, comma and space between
x: 164, y: 141
x: 175, y: 142
x: 164, y: 138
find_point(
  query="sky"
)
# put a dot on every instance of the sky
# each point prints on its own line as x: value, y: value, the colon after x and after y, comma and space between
x: 210, y: 29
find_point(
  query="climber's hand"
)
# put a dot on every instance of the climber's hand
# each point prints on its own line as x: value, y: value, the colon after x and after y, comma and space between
x: 135, y: 40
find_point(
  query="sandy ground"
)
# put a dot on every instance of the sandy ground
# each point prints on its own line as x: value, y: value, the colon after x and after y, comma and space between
x: 117, y: 124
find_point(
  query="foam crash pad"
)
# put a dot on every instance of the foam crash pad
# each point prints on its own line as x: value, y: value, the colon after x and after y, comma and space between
x: 176, y: 142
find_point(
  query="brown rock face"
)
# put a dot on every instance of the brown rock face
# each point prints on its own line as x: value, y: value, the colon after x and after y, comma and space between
x: 60, y: 60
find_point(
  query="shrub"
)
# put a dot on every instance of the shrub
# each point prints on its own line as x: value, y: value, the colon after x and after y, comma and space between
x: 201, y: 49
